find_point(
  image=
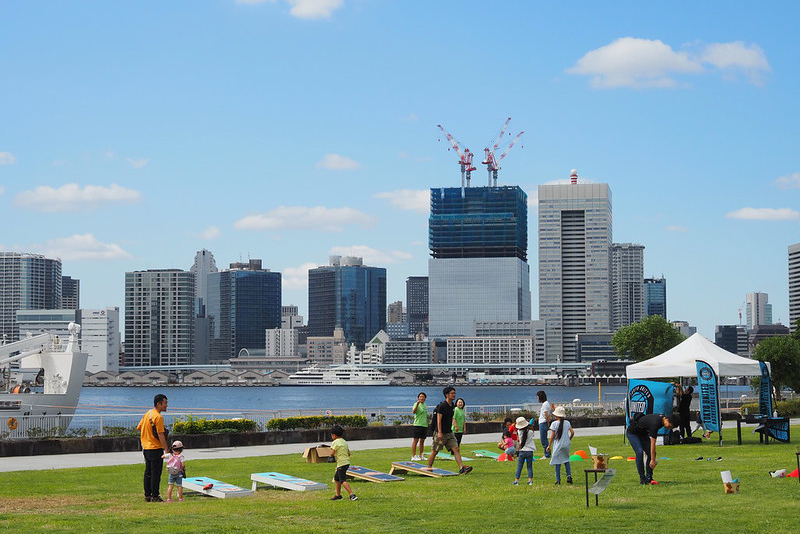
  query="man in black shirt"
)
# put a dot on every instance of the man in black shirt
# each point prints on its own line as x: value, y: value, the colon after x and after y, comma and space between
x: 642, y: 434
x: 443, y: 432
x: 684, y: 402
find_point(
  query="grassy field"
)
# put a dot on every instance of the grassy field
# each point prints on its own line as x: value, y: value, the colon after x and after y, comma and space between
x: 690, y: 496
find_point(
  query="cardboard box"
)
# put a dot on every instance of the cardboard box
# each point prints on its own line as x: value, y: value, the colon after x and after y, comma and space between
x: 600, y: 461
x: 318, y: 455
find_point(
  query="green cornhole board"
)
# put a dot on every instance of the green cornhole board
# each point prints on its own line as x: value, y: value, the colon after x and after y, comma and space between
x: 279, y: 480
x: 420, y: 469
x: 220, y: 490
x: 486, y: 454
x: 356, y: 471
x: 448, y: 456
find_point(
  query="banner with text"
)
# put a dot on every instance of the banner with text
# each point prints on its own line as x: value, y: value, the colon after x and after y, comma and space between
x: 708, y: 385
x: 648, y: 396
x: 765, y: 392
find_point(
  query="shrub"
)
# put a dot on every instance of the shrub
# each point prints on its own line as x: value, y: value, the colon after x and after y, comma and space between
x: 787, y: 408
x: 117, y: 431
x: 199, y: 425
x: 316, y: 421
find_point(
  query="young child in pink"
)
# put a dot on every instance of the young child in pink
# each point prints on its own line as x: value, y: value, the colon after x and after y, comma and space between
x: 176, y: 469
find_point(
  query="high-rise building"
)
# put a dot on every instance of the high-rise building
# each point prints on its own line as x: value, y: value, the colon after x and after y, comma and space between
x: 349, y: 295
x: 70, y: 293
x: 417, y: 305
x: 627, y: 284
x: 100, y: 339
x: 759, y: 310
x: 281, y: 342
x: 655, y: 297
x: 243, y: 302
x: 478, y: 237
x: 574, y: 264
x: 684, y: 328
x: 794, y: 285
x: 27, y: 282
x: 54, y: 322
x: 204, y: 265
x: 159, y: 317
x: 733, y: 338
x: 394, y: 312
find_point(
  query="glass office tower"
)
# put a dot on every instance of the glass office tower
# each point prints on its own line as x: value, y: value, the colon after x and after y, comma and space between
x: 478, y: 237
x: 27, y: 282
x: 347, y: 295
x: 655, y: 297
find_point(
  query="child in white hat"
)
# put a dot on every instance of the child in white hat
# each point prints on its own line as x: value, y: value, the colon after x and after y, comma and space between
x: 560, y: 439
x: 527, y: 444
x: 176, y: 469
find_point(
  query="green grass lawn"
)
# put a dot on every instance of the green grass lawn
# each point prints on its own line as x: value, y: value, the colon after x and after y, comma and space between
x: 690, y: 496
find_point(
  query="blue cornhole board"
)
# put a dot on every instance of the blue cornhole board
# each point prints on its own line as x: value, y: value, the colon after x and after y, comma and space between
x: 356, y: 471
x: 220, y: 490
x: 420, y: 469
x: 448, y: 456
x: 486, y: 454
x: 289, y: 482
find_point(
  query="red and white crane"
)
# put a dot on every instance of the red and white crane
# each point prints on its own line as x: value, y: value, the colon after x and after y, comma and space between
x: 493, y: 163
x: 464, y: 156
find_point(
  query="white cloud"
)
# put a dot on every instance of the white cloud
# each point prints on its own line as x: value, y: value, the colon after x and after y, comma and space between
x: 71, y: 197
x: 7, y: 158
x: 372, y: 256
x: 305, y: 218
x: 641, y: 63
x: 335, y: 162
x: 137, y: 163
x: 305, y: 9
x: 418, y: 200
x: 212, y: 232
x: 80, y: 247
x: 789, y: 182
x: 764, y: 214
x: 737, y: 56
x: 676, y: 228
x: 296, y: 277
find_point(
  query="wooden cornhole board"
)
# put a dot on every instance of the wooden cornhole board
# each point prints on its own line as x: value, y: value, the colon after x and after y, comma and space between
x: 448, y: 456
x: 420, y: 469
x: 356, y: 471
x: 220, y: 490
x: 289, y: 482
x: 486, y: 454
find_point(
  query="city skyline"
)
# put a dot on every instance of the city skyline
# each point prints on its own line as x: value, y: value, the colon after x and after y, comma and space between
x: 135, y: 136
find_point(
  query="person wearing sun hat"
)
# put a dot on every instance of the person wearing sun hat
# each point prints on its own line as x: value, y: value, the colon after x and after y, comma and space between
x: 527, y: 444
x: 560, y: 439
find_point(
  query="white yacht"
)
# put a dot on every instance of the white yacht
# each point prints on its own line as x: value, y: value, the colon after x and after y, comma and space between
x: 43, y: 391
x: 342, y: 375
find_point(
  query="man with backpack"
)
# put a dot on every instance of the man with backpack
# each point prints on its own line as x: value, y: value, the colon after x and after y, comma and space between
x: 442, y: 429
x: 642, y: 433
x: 153, y: 436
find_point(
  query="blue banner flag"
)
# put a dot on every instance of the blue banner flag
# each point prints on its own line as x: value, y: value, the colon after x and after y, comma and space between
x: 708, y: 385
x: 765, y: 392
x: 648, y: 396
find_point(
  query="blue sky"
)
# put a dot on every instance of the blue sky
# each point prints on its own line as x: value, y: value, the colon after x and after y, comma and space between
x: 133, y: 134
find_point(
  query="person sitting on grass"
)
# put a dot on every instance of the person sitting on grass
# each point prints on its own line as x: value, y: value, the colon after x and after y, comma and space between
x: 506, y: 445
x: 341, y: 451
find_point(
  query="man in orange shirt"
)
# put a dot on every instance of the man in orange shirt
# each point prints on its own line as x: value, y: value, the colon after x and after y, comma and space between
x: 153, y: 436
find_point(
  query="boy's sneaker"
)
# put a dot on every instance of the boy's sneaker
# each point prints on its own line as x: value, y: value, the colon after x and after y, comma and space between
x: 336, y: 498
x: 515, y: 483
x: 353, y: 497
x: 654, y: 483
x: 557, y: 482
x: 530, y: 483
x: 467, y: 469
x: 156, y: 499
x: 569, y: 480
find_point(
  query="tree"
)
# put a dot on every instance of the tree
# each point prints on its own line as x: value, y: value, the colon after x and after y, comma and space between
x: 783, y: 355
x: 648, y: 338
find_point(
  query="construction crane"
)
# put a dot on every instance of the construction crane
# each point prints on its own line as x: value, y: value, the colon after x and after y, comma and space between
x: 464, y: 157
x: 493, y: 163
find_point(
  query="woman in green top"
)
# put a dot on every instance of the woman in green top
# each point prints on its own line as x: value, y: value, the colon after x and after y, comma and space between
x: 420, y: 412
x: 459, y: 420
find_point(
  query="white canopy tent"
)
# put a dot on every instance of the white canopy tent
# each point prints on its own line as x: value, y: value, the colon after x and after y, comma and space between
x: 680, y: 361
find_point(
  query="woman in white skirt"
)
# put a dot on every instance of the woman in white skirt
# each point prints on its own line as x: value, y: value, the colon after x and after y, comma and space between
x: 560, y: 439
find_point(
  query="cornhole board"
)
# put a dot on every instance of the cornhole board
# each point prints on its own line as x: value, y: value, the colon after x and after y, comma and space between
x: 356, y: 471
x: 289, y: 482
x: 486, y: 454
x: 220, y: 490
x: 448, y: 456
x: 420, y: 469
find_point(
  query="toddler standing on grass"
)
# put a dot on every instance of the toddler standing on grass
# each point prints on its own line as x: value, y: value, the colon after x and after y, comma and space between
x: 341, y: 451
x: 560, y: 439
x: 176, y: 469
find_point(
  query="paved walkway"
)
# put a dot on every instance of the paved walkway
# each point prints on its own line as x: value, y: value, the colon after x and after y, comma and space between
x: 64, y: 461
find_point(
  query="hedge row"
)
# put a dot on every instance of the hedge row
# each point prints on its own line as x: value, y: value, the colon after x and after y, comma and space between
x: 316, y: 421
x: 787, y: 408
x: 196, y: 425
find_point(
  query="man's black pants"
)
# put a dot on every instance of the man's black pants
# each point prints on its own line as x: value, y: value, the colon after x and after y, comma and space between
x: 153, y: 465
